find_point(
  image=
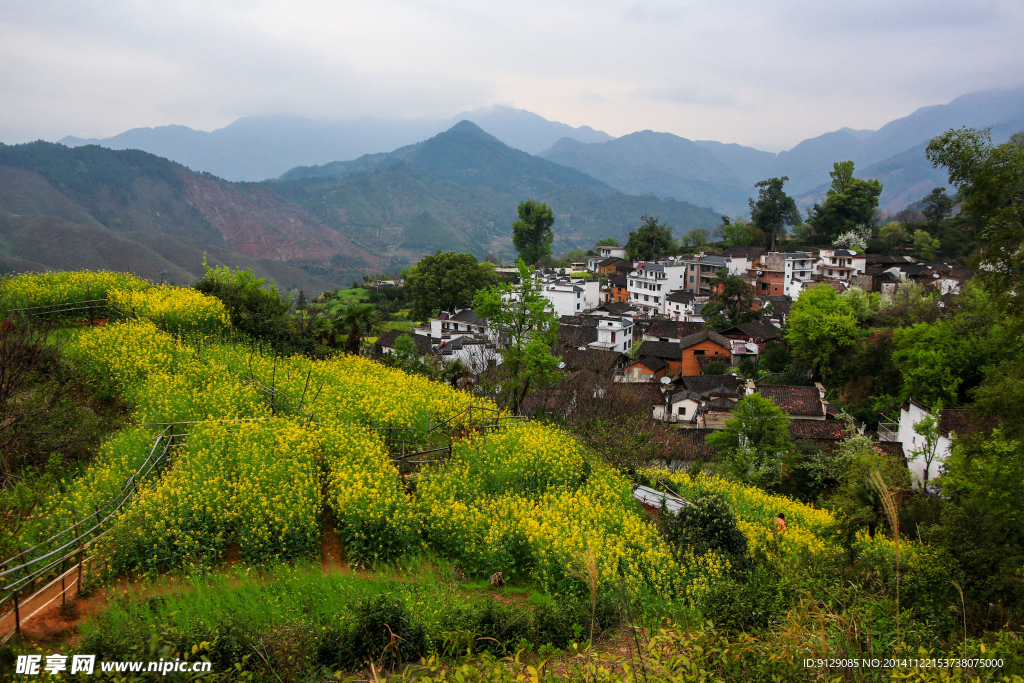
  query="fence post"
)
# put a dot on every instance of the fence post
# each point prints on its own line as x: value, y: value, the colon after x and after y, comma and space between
x: 17, y: 616
x: 88, y: 297
x: 63, y: 587
x: 81, y: 554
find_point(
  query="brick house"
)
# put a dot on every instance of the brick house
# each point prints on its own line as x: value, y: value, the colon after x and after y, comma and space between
x: 697, y: 350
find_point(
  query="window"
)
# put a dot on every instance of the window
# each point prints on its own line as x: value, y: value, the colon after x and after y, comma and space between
x: 656, y: 299
x: 613, y: 337
x: 577, y: 307
x: 691, y: 279
x: 682, y: 410
x: 829, y: 271
x: 646, y: 298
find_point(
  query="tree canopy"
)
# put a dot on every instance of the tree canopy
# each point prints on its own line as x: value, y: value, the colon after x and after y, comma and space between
x: 754, y: 440
x: 446, y: 281
x: 731, y: 302
x: 527, y: 325
x: 650, y: 241
x: 821, y: 325
x: 531, y: 234
x: 850, y: 202
x: 774, y: 209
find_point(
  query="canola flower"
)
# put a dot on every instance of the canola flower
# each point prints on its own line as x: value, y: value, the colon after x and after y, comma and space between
x: 44, y: 289
x: 179, y: 309
x: 527, y: 500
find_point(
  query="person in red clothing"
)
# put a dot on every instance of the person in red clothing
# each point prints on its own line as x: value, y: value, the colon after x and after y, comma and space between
x: 780, y: 522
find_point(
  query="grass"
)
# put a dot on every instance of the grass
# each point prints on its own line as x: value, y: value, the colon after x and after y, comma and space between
x: 323, y: 613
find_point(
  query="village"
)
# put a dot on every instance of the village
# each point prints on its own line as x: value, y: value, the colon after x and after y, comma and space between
x: 641, y: 324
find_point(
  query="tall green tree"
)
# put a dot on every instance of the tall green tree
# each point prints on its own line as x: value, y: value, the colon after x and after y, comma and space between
x: 731, y: 302
x: 531, y: 234
x: 754, y: 440
x: 850, y: 202
x: 355, y: 319
x: 937, y: 205
x: 446, y: 281
x: 650, y: 241
x: 990, y: 190
x: 774, y: 209
x: 821, y: 326
x: 526, y: 327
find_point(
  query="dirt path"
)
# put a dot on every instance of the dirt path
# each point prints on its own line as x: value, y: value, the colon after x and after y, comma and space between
x: 49, y: 619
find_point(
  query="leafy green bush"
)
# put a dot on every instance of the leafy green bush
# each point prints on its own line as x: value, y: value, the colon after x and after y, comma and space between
x: 704, y: 526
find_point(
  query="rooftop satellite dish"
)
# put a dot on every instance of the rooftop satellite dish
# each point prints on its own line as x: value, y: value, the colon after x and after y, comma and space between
x: 561, y: 365
x: 666, y: 380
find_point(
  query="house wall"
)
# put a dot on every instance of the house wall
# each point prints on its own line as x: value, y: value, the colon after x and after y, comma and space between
x: 638, y: 373
x: 691, y: 366
x: 682, y: 411
x: 910, y: 415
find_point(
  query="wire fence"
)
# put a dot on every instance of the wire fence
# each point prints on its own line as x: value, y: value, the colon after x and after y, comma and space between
x: 63, y: 555
x: 22, y: 572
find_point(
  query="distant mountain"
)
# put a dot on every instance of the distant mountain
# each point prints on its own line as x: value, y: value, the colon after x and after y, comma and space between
x: 894, y: 154
x: 528, y: 131
x: 468, y: 156
x: 90, y: 207
x: 261, y: 147
x: 659, y: 163
x: 460, y: 189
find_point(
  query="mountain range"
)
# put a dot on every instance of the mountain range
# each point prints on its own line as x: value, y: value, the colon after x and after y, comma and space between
x: 702, y: 172
x: 93, y: 207
x: 260, y: 147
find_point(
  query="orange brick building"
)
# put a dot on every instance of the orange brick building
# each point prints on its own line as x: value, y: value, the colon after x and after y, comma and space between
x: 702, y: 348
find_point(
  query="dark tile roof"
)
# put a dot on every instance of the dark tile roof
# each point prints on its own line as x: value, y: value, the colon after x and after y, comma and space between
x: 780, y: 304
x: 703, y: 335
x: 619, y: 281
x: 680, y: 296
x: 956, y: 420
x: 649, y: 391
x: 892, y: 449
x: 831, y: 430
x: 793, y: 400
x: 706, y: 386
x: 755, y: 330
x: 651, y: 363
x: 669, y: 350
x: 467, y: 315
x: 719, y: 404
x: 670, y: 329
x: 749, y: 253
x: 387, y: 340
x: 601, y: 361
x: 577, y: 335
x: 616, y: 308
x: 609, y: 261
x: 577, y: 321
x: 888, y: 260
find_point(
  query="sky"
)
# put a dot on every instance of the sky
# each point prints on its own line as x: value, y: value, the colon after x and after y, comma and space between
x: 757, y: 73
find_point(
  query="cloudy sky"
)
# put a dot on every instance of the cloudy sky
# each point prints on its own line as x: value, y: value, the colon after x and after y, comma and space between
x: 757, y: 73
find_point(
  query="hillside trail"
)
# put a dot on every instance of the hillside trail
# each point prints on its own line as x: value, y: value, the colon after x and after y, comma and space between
x: 47, y: 620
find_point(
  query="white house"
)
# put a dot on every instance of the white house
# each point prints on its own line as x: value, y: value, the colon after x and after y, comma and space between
x: 565, y: 297
x: 950, y: 421
x: 614, y: 334
x: 840, y: 264
x: 462, y: 323
x: 679, y: 305
x: 649, y: 283
x: 798, y: 269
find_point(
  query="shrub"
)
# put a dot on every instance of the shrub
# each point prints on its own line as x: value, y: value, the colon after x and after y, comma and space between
x: 704, y: 526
